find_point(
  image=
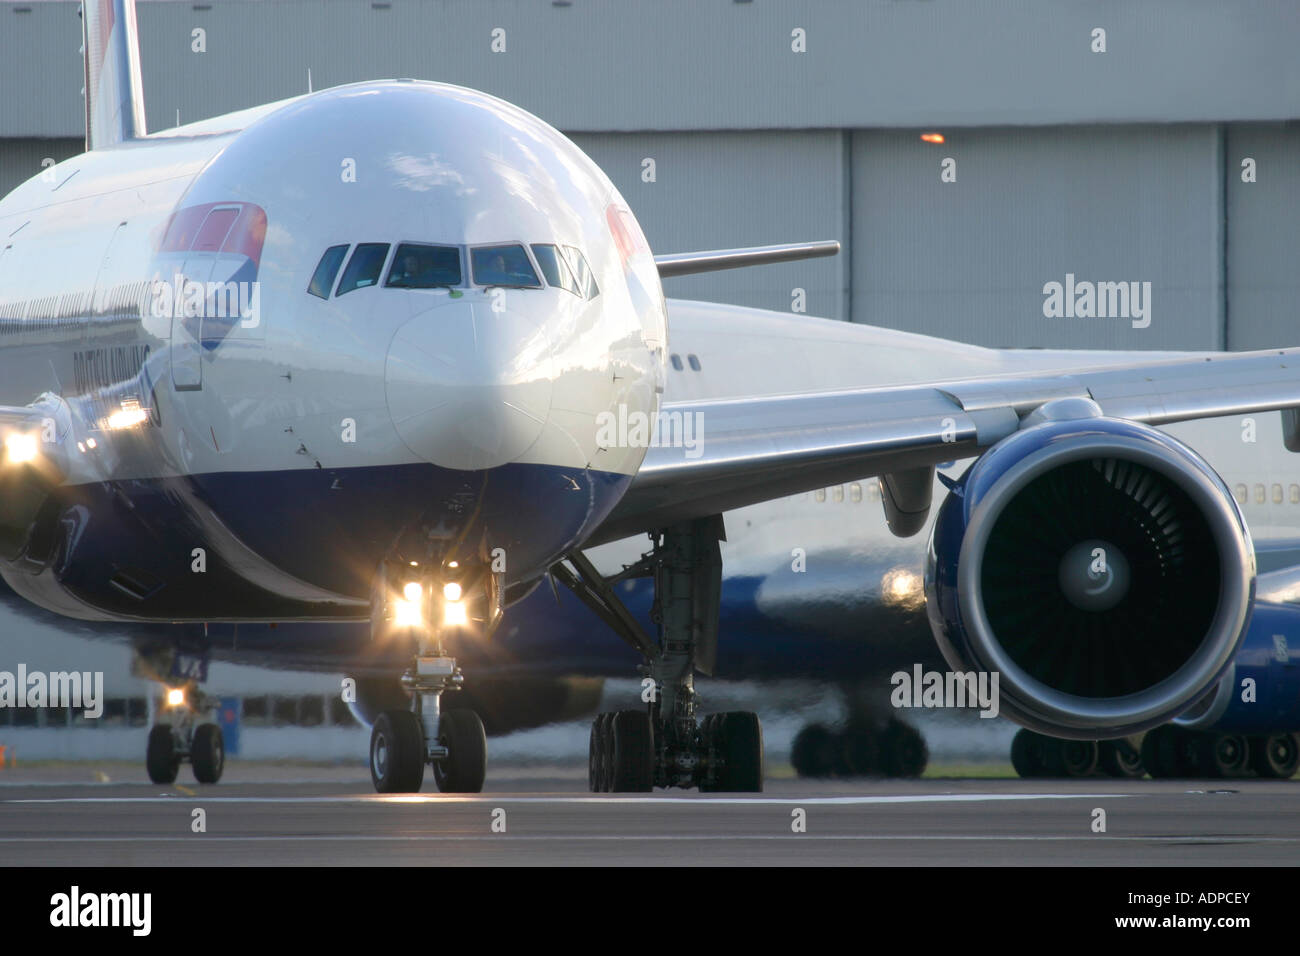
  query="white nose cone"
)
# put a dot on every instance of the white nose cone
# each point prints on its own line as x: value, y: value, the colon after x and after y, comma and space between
x: 469, y: 388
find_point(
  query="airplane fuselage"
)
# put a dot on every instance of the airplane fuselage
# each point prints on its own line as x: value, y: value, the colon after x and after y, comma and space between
x: 251, y: 444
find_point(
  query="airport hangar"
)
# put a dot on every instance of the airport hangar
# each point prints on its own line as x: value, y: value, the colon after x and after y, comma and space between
x: 1119, y: 156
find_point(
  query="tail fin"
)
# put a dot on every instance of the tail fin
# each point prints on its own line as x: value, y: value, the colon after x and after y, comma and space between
x: 114, y: 93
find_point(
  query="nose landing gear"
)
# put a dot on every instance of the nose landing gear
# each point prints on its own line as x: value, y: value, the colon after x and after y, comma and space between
x: 179, y: 738
x: 453, y: 742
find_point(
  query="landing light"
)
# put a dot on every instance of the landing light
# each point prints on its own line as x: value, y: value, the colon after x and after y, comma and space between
x: 130, y: 415
x: 21, y: 447
x: 176, y: 697
x: 451, y: 591
x: 412, y: 592
x: 407, y: 614
x: 932, y: 137
x: 454, y: 614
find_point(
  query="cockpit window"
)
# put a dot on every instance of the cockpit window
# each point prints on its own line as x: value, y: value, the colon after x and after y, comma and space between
x: 555, y: 268
x: 586, y: 279
x: 364, y: 267
x: 322, y: 280
x: 417, y: 266
x: 503, y: 266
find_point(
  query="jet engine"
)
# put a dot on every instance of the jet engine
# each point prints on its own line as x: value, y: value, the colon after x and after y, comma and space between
x: 1099, y: 566
x: 1260, y: 692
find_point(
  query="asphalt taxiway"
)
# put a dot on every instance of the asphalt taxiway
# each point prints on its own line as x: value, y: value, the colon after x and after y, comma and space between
x: 306, y: 816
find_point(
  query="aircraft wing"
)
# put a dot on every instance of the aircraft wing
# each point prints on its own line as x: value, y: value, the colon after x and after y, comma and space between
x: 15, y: 416
x: 715, y: 260
x: 743, y: 451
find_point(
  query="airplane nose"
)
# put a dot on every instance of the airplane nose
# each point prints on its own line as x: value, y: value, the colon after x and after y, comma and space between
x: 468, y: 387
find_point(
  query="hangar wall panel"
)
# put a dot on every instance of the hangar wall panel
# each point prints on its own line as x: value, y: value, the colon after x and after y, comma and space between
x: 1263, y: 236
x: 683, y: 64
x: 20, y: 159
x: 969, y: 259
x: 722, y: 190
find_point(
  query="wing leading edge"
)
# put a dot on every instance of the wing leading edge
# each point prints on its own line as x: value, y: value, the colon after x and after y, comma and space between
x: 715, y: 260
x: 744, y: 451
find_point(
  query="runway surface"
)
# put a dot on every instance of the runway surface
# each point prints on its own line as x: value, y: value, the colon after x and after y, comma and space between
x: 311, y: 816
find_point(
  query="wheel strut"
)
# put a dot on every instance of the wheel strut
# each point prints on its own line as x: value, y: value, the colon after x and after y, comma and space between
x: 665, y: 745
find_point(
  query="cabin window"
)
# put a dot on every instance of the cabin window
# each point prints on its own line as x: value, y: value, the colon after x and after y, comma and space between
x: 364, y: 267
x: 694, y: 362
x: 506, y: 265
x: 555, y: 269
x: 322, y: 280
x: 676, y: 360
x: 586, y: 278
x: 417, y: 266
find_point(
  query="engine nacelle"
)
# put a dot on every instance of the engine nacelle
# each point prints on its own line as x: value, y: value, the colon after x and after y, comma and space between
x: 1260, y: 692
x: 1100, y: 566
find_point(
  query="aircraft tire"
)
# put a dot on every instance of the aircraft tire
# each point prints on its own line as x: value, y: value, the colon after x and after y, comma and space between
x: 740, y: 743
x: 1119, y: 758
x: 161, y: 759
x: 464, y: 769
x: 1275, y: 756
x: 397, y: 752
x: 208, y: 753
x: 632, y: 768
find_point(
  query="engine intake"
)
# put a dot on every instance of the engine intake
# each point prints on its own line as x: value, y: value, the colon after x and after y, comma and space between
x: 1100, y: 566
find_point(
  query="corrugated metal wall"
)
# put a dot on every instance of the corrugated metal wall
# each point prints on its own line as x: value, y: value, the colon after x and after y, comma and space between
x: 969, y: 259
x: 720, y: 190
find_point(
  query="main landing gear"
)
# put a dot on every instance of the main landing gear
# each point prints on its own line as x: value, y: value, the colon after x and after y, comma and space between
x: 664, y: 744
x: 1167, y: 752
x: 1037, y: 755
x: 1173, y: 751
x: 180, y: 738
x: 453, y: 742
x: 861, y: 748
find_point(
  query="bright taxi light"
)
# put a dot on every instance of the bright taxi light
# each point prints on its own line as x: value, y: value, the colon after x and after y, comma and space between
x: 21, y: 447
x: 127, y: 417
x: 454, y: 614
x: 176, y: 697
x: 407, y: 614
x: 412, y: 592
x: 451, y: 591
x: 932, y: 137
